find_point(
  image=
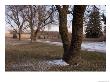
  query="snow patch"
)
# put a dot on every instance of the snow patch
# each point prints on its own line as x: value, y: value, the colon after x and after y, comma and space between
x: 57, y: 43
x: 94, y: 46
x: 58, y: 62
x: 49, y: 42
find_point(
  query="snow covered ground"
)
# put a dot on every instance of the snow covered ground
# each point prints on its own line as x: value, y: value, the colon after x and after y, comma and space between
x: 94, y: 46
x: 58, y: 62
x: 88, y: 46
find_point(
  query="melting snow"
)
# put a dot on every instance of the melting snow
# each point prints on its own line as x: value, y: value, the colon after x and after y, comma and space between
x: 58, y: 62
x: 55, y: 43
x: 94, y: 46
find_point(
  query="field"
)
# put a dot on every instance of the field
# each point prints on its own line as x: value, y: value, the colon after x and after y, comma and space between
x: 26, y: 56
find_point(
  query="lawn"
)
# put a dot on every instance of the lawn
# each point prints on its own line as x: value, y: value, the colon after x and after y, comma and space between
x: 32, y: 57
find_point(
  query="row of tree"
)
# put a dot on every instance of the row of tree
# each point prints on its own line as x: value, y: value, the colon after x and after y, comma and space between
x: 23, y: 17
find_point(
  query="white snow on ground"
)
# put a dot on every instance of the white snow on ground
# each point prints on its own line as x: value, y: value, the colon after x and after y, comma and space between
x: 49, y: 42
x: 88, y: 46
x: 94, y: 46
x: 58, y: 62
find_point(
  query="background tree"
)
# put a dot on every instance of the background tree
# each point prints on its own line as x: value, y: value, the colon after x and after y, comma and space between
x: 38, y: 17
x: 94, y: 29
x: 30, y: 18
x: 15, y: 14
x: 45, y: 17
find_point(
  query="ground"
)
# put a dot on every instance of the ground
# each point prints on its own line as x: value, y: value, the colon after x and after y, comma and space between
x: 38, y: 56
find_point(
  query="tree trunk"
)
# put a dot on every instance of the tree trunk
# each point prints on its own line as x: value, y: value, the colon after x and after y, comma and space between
x: 39, y: 24
x: 14, y: 34
x: 32, y: 34
x: 73, y: 56
x: 63, y: 27
x: 19, y: 34
x: 35, y: 35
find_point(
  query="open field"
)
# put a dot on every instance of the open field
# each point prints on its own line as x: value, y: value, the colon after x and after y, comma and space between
x: 26, y: 56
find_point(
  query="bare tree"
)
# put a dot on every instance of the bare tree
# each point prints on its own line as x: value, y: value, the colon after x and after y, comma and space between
x: 16, y: 14
x: 73, y: 55
x: 44, y: 17
x: 38, y: 17
x: 71, y: 51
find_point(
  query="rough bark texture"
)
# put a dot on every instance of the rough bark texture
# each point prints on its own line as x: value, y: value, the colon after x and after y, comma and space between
x: 73, y: 55
x: 63, y: 27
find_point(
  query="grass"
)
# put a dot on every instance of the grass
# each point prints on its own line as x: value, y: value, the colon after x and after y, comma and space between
x: 26, y: 57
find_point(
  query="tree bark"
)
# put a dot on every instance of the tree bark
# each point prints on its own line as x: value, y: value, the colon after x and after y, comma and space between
x: 32, y: 31
x: 73, y: 56
x: 19, y: 34
x: 14, y: 34
x: 32, y: 34
x: 63, y: 27
x: 35, y: 35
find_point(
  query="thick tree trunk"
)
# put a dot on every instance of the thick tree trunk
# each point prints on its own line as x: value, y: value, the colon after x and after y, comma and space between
x: 63, y: 27
x: 73, y: 56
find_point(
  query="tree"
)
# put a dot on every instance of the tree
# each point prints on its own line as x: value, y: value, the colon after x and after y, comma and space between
x: 73, y: 55
x: 15, y: 13
x: 71, y: 51
x: 45, y: 17
x: 63, y: 11
x: 30, y: 18
x: 38, y: 17
x: 94, y: 29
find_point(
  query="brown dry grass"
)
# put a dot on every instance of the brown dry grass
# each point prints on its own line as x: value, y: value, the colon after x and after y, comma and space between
x: 32, y: 57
